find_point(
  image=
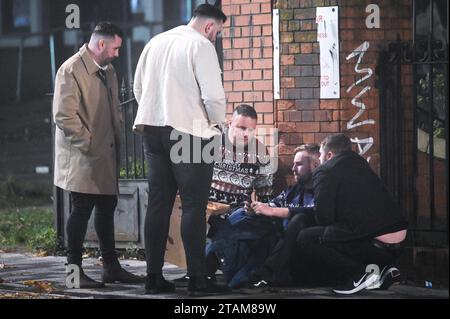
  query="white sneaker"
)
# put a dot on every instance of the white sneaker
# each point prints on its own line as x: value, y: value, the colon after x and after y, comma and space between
x: 388, y: 276
x: 367, y: 280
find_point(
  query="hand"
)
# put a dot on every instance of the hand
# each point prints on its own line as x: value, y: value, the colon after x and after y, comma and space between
x: 262, y: 209
x: 248, y: 208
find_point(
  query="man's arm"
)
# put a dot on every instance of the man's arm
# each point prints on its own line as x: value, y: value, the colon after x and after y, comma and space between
x: 264, y: 209
x: 325, y: 189
x: 207, y: 72
x: 66, y: 105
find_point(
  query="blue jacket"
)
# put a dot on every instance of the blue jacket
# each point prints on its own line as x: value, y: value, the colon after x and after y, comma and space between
x: 242, y: 242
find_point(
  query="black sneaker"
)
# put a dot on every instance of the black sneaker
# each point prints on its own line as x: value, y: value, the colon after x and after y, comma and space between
x: 155, y: 284
x: 359, y: 283
x: 258, y: 280
x: 204, y: 286
x: 388, y: 276
x: 260, y: 284
x: 181, y: 281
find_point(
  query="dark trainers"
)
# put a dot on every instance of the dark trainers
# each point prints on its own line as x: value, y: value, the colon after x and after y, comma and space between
x: 155, y: 284
x: 204, y: 286
x: 388, y: 276
x: 260, y: 284
x: 182, y: 280
x: 359, y: 283
x: 259, y: 280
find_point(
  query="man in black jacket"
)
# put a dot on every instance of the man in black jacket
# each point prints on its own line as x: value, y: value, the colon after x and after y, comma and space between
x: 361, y: 229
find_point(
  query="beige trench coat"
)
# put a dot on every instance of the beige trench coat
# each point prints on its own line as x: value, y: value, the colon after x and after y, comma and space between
x: 88, y: 127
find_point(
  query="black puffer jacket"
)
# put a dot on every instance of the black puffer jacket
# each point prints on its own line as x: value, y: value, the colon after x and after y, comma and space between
x: 352, y: 202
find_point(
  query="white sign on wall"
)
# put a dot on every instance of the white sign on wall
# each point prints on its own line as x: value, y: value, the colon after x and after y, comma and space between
x: 328, y: 38
x: 276, y: 54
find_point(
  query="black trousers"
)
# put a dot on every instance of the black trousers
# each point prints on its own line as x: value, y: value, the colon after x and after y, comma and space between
x: 166, y: 177
x: 276, y: 266
x: 82, y: 206
x: 318, y: 262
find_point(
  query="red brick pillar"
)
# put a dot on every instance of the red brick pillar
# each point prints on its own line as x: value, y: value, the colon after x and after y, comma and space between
x: 247, y: 52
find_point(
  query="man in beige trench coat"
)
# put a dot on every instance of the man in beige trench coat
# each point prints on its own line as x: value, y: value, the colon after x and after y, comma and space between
x: 87, y: 143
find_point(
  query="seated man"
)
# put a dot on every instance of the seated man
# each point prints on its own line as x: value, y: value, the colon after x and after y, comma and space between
x: 243, y: 242
x: 360, y: 227
x: 296, y: 207
x: 243, y: 169
x: 244, y: 166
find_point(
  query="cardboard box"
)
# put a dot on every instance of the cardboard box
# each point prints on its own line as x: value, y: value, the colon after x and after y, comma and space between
x: 174, y: 247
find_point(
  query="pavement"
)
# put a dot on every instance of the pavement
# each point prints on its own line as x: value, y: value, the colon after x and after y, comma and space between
x: 27, y: 276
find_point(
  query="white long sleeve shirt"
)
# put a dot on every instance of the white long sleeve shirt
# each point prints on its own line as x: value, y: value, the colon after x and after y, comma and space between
x: 178, y: 83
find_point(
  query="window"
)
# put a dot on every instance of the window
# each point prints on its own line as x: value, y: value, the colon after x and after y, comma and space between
x: 136, y: 6
x: 15, y: 16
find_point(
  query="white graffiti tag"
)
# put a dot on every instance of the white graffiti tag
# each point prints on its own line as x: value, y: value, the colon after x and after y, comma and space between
x: 365, y: 144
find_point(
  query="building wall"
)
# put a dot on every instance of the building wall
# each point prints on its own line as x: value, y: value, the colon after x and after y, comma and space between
x: 247, y: 52
x: 300, y: 115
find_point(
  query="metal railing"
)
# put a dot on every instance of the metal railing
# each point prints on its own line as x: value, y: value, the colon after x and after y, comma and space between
x: 133, y: 164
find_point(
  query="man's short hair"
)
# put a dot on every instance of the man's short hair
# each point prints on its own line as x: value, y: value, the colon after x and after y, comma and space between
x: 246, y: 110
x: 107, y: 29
x: 337, y: 143
x: 311, y: 149
x: 209, y: 11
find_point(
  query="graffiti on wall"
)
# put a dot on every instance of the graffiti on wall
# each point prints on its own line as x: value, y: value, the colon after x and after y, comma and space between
x: 364, y: 144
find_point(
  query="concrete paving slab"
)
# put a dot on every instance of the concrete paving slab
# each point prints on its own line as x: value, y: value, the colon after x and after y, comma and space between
x: 21, y: 268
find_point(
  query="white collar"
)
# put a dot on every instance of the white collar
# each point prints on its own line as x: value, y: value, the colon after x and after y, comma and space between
x: 100, y: 67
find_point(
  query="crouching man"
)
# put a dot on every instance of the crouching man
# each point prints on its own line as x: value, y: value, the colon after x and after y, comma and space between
x: 361, y: 230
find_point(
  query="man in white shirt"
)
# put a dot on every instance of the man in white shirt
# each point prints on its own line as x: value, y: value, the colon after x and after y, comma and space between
x: 179, y: 89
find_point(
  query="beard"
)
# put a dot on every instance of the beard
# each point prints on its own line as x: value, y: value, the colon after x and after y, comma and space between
x: 304, y: 179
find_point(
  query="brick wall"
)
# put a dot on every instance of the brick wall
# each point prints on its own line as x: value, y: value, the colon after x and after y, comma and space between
x: 247, y: 51
x: 395, y: 20
x: 300, y: 115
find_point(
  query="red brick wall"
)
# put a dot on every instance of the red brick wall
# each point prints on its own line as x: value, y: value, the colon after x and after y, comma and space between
x: 247, y: 50
x: 396, y: 19
x: 300, y: 115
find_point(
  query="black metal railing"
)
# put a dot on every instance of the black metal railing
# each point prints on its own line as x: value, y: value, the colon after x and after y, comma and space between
x: 132, y: 164
x: 411, y: 114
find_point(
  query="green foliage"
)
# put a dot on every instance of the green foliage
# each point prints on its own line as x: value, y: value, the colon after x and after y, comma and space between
x: 30, y: 228
x: 133, y: 170
x: 44, y: 240
x: 423, y: 99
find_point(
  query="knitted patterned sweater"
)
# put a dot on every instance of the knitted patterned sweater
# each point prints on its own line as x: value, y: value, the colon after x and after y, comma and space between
x: 240, y: 172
